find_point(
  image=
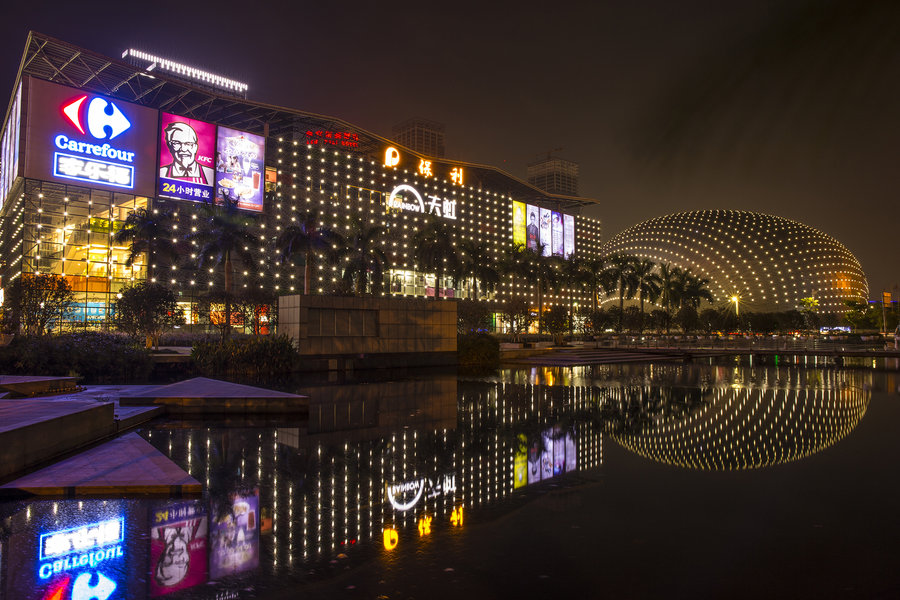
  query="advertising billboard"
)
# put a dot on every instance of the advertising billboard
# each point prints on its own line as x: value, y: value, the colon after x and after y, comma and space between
x: 569, y: 229
x: 551, y: 455
x: 81, y: 138
x: 518, y: 223
x: 9, y: 147
x: 546, y: 235
x: 178, y: 543
x: 187, y: 150
x: 532, y: 233
x: 234, y: 536
x: 240, y: 168
x: 556, y: 227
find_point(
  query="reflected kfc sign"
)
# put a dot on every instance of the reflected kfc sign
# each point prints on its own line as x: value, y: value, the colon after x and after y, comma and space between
x: 81, y: 138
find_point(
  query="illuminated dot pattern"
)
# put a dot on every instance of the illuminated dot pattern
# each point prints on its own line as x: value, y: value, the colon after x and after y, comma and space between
x: 769, y: 261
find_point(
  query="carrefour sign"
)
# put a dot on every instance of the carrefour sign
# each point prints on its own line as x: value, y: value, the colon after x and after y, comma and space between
x: 81, y: 138
x: 77, y: 547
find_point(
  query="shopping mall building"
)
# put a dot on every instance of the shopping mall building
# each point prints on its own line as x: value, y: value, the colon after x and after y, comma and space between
x: 87, y: 139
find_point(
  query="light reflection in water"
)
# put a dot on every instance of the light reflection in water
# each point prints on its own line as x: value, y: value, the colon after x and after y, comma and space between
x: 383, y: 465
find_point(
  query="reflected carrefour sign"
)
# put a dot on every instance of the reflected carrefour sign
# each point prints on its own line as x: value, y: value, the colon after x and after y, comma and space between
x: 77, y: 547
x: 82, y: 138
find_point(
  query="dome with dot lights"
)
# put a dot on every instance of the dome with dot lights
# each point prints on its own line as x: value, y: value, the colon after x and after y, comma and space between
x: 741, y: 427
x: 769, y: 262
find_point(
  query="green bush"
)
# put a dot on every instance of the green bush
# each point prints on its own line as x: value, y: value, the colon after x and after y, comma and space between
x: 94, y: 356
x: 254, y: 357
x: 478, y: 349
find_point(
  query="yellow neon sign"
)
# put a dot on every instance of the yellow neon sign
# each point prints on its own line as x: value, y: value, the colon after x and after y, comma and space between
x: 390, y: 538
x: 456, y: 517
x: 424, y: 526
x: 456, y: 175
x: 391, y: 157
x: 425, y: 168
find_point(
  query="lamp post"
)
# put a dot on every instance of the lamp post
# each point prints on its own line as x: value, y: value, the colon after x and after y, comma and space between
x: 736, y: 299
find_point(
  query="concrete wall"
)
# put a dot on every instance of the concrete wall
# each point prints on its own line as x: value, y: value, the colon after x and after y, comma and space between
x: 370, y: 331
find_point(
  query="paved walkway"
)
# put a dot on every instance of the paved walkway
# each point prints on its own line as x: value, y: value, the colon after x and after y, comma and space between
x: 127, y: 465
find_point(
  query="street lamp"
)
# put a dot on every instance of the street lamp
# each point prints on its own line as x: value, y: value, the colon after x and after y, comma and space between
x: 736, y: 299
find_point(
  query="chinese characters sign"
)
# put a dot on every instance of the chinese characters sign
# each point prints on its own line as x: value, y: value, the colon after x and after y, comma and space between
x: 406, y: 197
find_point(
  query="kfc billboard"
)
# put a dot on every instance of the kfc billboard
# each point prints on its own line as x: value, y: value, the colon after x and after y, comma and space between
x: 81, y: 138
x: 187, y: 150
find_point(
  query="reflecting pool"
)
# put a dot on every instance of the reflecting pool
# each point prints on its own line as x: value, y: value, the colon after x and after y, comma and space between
x: 664, y: 480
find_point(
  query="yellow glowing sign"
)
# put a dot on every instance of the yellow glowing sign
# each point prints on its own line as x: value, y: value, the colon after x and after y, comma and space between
x: 456, y: 175
x: 456, y: 517
x: 425, y: 168
x: 390, y: 538
x: 391, y: 157
x: 425, y: 526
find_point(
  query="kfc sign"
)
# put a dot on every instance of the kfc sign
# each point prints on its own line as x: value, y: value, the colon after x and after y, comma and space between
x: 81, y: 138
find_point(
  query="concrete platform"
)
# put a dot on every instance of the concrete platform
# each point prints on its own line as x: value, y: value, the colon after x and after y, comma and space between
x: 33, y: 431
x: 203, y: 396
x: 32, y: 385
x: 128, y: 465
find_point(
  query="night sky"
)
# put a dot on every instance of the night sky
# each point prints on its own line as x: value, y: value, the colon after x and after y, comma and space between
x: 787, y: 107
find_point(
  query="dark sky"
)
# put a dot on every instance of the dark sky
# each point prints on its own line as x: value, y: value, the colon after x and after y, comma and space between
x: 790, y: 107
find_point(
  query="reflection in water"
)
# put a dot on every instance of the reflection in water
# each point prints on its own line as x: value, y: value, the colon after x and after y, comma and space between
x: 737, y: 426
x: 386, y: 465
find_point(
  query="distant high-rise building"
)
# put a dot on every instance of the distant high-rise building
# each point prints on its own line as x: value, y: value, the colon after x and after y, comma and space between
x: 554, y: 175
x: 421, y: 135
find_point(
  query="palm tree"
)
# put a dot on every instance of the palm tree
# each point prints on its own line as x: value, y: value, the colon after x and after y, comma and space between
x: 696, y: 290
x: 151, y: 232
x: 435, y: 251
x: 362, y: 255
x: 474, y: 261
x: 670, y: 289
x: 222, y: 232
x: 647, y: 283
x: 515, y: 263
x: 544, y: 271
x: 310, y: 239
x: 620, y: 271
x: 574, y: 272
x: 594, y: 279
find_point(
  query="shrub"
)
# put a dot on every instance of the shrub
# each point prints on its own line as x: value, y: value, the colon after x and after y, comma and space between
x: 472, y: 316
x: 255, y: 357
x: 95, y: 356
x: 478, y: 349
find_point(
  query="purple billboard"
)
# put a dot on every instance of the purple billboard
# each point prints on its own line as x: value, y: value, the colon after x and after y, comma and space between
x: 235, y: 536
x: 187, y: 149
x: 240, y: 168
x: 178, y: 536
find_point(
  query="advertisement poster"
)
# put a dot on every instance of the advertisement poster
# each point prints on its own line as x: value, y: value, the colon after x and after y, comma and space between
x: 569, y: 228
x: 518, y: 223
x: 556, y: 225
x: 571, y: 454
x: 240, y: 168
x: 546, y: 236
x: 9, y: 147
x: 520, y: 465
x: 234, y: 536
x: 76, y: 137
x: 178, y: 545
x: 547, y: 457
x: 187, y: 149
x: 532, y: 234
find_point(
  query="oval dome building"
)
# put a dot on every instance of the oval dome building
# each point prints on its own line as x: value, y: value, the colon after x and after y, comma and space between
x: 769, y: 262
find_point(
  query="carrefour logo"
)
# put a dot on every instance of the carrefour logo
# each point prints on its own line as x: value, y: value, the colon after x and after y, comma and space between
x: 104, y: 119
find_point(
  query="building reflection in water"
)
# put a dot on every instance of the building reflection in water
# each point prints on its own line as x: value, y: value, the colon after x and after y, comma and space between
x: 381, y: 465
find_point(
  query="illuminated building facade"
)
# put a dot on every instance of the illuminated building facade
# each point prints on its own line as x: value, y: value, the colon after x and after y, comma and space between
x: 769, y: 263
x: 554, y: 175
x: 78, y: 160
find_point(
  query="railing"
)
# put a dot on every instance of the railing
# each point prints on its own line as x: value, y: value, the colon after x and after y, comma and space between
x: 776, y: 344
